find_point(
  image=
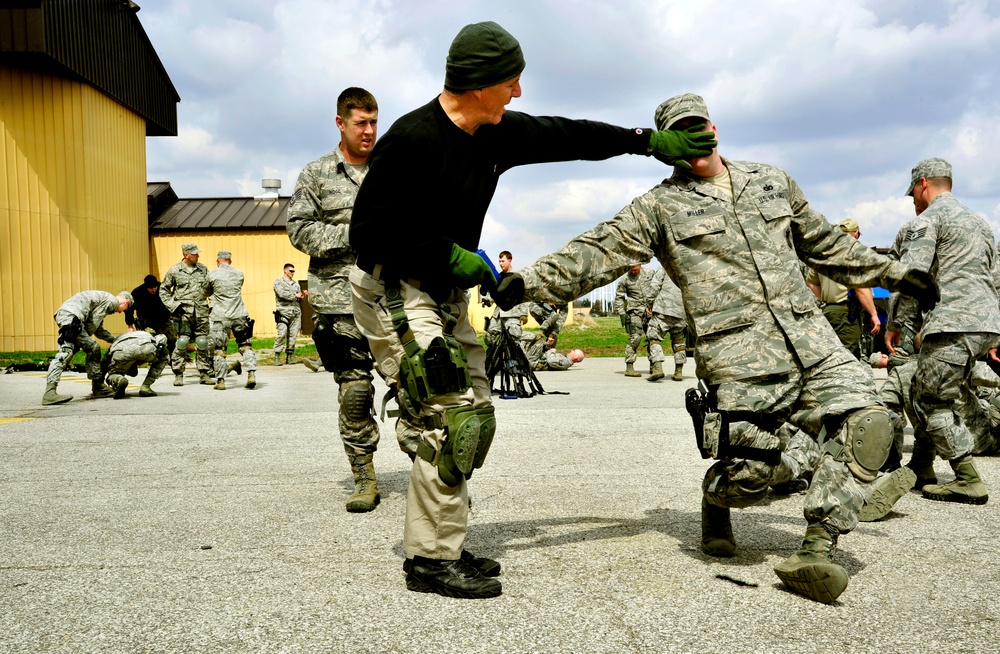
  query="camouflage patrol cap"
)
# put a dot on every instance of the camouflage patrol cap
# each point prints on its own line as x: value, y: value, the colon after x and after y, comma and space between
x: 928, y: 169
x: 849, y: 225
x: 127, y: 296
x: 225, y: 254
x: 190, y: 248
x: 679, y: 107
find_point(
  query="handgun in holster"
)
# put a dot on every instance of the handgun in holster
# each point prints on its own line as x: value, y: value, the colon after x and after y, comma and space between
x: 69, y: 333
x: 440, y: 368
x: 711, y: 427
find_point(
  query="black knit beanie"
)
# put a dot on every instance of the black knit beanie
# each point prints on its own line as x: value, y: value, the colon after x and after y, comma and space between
x: 483, y: 54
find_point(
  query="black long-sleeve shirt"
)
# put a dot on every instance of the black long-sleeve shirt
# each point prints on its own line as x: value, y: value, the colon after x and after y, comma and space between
x: 149, y: 307
x: 429, y: 183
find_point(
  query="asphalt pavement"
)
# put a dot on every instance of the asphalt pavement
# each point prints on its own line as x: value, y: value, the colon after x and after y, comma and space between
x: 208, y: 521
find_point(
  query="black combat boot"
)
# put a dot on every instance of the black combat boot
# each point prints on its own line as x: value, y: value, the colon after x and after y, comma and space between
x: 716, y: 531
x: 487, y: 567
x: 457, y: 579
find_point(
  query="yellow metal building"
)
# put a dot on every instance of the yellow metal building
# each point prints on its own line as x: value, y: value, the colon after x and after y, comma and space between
x: 253, y: 230
x: 80, y: 89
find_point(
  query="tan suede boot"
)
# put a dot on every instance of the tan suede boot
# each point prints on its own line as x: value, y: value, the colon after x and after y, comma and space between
x: 811, y: 572
x: 52, y: 397
x: 366, y: 495
x: 967, y: 488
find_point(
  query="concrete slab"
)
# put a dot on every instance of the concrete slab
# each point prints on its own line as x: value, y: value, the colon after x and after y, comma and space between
x: 208, y: 521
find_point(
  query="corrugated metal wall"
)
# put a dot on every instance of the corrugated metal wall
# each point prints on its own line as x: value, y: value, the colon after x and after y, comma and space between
x: 72, y: 202
x: 260, y: 254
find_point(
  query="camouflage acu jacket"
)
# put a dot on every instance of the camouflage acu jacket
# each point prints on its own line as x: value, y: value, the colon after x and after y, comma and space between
x: 736, y: 264
x: 91, y: 307
x: 635, y: 293
x: 668, y: 300
x: 184, y: 284
x: 225, y: 287
x: 319, y: 215
x: 284, y: 295
x: 955, y: 245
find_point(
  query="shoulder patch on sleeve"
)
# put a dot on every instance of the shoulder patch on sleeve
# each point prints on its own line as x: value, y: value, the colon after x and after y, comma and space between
x: 914, y: 234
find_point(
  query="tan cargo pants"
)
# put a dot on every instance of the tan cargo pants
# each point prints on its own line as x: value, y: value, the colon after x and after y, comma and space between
x: 436, y: 514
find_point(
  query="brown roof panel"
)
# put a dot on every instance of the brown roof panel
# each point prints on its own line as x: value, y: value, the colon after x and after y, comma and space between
x: 223, y: 214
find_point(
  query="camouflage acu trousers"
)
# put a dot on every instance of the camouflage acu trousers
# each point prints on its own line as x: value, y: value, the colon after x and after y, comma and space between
x: 660, y: 326
x: 359, y: 431
x: 942, y: 387
x: 287, y: 332
x: 66, y: 351
x: 134, y: 353
x: 191, y: 322
x: 811, y: 399
x: 637, y: 324
x: 220, y: 331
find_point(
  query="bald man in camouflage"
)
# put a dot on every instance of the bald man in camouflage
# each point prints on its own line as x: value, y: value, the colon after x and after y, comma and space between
x: 79, y: 318
x: 730, y: 234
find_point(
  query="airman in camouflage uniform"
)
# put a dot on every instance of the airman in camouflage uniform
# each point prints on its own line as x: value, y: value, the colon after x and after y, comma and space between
x: 79, y: 318
x: 318, y: 218
x: 127, y: 352
x: 667, y: 319
x: 542, y: 354
x: 634, y: 305
x: 287, y: 314
x: 550, y: 317
x: 908, y: 332
x: 980, y: 409
x: 956, y: 247
x: 184, y: 293
x: 729, y: 234
x: 229, y: 314
x: 509, y: 320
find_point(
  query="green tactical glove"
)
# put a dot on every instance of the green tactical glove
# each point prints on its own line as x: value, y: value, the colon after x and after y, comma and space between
x: 922, y: 286
x: 510, y: 291
x: 624, y: 319
x: 469, y: 269
x: 672, y: 147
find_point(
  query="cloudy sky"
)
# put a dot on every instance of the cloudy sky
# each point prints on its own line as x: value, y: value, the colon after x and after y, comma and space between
x: 846, y: 96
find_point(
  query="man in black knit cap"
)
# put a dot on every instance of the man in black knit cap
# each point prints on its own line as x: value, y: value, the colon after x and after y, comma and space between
x: 430, y: 182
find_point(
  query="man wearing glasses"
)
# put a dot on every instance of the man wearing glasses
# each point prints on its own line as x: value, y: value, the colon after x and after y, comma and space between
x: 287, y: 314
